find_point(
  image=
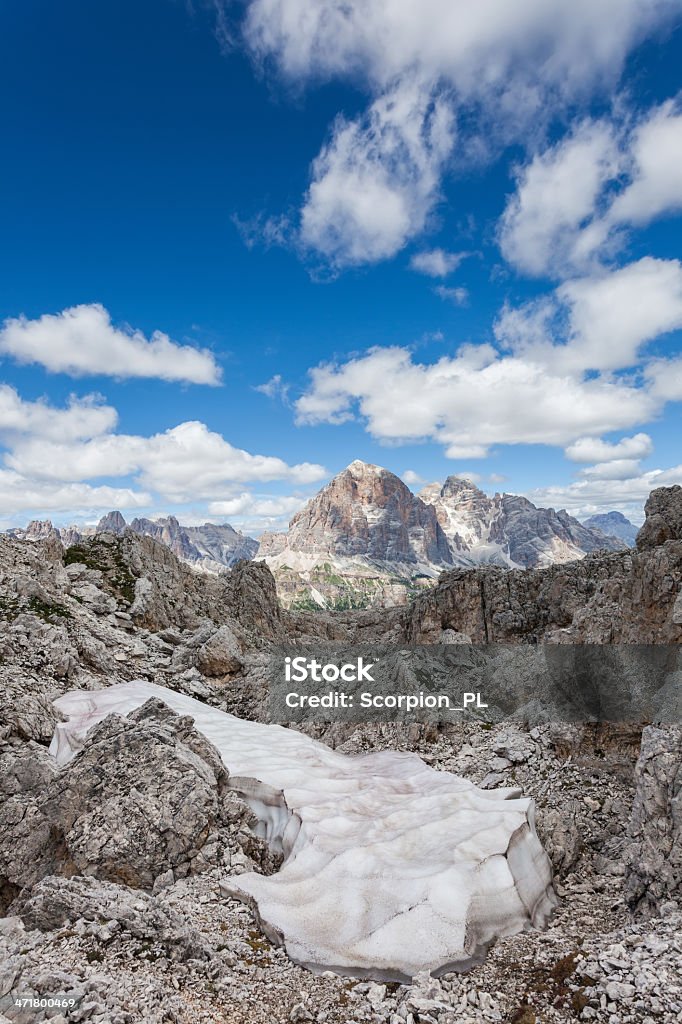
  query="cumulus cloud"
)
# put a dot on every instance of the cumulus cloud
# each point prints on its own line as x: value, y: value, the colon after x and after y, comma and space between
x: 574, y: 201
x: 437, y: 262
x: 412, y: 478
x: 246, y: 504
x: 187, y: 462
x: 470, y: 401
x: 377, y: 179
x: 19, y: 494
x: 82, y: 417
x: 541, y: 228
x: 65, y: 458
x: 595, y: 449
x: 601, y: 322
x: 602, y: 494
x: 82, y: 341
x: 427, y: 64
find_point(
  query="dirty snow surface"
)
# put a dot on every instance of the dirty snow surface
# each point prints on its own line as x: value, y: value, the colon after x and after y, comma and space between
x: 390, y: 867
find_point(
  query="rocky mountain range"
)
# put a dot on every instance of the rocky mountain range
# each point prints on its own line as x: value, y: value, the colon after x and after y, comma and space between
x: 212, y: 547
x: 366, y: 540
x: 118, y: 867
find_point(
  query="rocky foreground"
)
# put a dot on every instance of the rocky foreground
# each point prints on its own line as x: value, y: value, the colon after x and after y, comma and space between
x: 111, y: 866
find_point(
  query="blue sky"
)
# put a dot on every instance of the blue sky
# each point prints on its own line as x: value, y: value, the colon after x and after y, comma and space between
x: 247, y: 243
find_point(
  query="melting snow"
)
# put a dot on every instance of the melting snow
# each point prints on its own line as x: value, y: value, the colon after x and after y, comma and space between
x: 390, y: 867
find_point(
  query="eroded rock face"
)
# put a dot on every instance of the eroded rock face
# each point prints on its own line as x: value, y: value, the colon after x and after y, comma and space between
x: 221, y: 654
x: 109, y: 909
x: 431, y: 868
x: 654, y: 857
x: 141, y: 802
x: 507, y: 529
x: 366, y: 510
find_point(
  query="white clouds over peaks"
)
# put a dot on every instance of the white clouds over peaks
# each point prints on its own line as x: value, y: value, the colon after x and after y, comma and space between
x: 423, y: 62
x: 574, y: 201
x: 470, y: 401
x: 82, y: 341
x: 594, y: 449
x: 188, y: 462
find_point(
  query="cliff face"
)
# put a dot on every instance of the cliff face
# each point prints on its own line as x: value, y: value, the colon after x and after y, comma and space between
x: 365, y: 510
x: 623, y: 597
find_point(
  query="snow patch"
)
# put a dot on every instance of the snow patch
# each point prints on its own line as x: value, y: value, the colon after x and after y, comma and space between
x: 391, y: 867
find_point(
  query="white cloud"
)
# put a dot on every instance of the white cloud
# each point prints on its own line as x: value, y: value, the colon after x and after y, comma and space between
x: 19, y: 493
x: 574, y: 201
x: 602, y: 321
x: 511, y: 65
x: 470, y: 401
x: 587, y: 497
x: 412, y: 478
x: 247, y: 505
x: 595, y: 449
x: 656, y: 179
x: 437, y: 262
x: 188, y: 462
x: 82, y: 418
x: 615, y: 469
x: 665, y: 378
x: 532, y: 45
x: 274, y: 388
x: 541, y: 227
x: 457, y: 296
x: 82, y: 341
x: 376, y: 181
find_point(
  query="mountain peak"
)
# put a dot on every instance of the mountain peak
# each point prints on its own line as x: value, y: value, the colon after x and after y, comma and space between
x: 359, y: 468
x: 112, y: 522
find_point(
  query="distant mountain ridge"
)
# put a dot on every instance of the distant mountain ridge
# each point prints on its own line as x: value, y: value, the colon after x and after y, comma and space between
x: 212, y: 547
x: 365, y: 539
x: 614, y: 524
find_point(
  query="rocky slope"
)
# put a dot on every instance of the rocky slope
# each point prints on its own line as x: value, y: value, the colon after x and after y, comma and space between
x: 111, y: 870
x: 622, y: 597
x: 613, y: 524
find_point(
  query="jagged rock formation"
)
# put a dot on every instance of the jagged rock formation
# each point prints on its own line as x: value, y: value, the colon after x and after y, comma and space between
x: 431, y: 868
x: 507, y: 529
x: 613, y: 524
x: 212, y: 547
x: 365, y: 510
x: 116, y: 954
x: 365, y: 540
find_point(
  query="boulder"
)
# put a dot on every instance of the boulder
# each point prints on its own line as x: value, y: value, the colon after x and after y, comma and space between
x: 221, y: 655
